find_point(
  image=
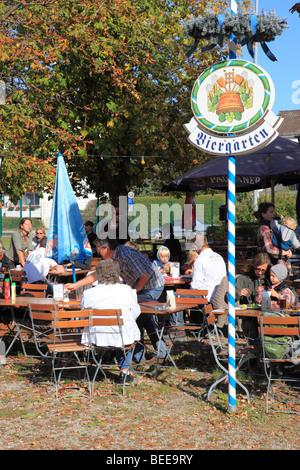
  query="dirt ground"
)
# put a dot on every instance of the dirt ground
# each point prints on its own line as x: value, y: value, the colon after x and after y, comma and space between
x: 168, y: 413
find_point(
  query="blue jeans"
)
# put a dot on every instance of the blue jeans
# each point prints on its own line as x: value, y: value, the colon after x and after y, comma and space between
x: 149, y: 323
x: 121, y: 359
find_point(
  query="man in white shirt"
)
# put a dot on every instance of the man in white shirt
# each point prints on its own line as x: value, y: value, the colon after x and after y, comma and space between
x: 209, y: 268
x: 37, y: 267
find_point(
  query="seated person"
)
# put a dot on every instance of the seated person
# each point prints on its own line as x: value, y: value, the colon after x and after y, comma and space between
x: 81, y: 264
x: 189, y: 266
x: 162, y: 263
x: 247, y: 285
x: 132, y: 244
x: 171, y: 242
x: 248, y: 288
x: 37, y: 267
x: 209, y: 267
x: 90, y: 234
x: 40, y: 239
x: 279, y: 289
x: 110, y: 294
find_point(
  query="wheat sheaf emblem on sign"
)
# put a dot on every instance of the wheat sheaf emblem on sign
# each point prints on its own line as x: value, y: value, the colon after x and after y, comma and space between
x: 230, y: 96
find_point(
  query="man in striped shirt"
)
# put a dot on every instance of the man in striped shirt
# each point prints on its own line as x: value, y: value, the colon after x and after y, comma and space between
x: 137, y: 271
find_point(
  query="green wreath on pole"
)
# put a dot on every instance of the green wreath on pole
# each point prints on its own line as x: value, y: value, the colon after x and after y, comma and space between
x: 247, y: 29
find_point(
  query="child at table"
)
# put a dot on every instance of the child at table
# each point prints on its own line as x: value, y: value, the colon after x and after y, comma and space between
x: 188, y: 267
x: 162, y: 263
x: 279, y: 288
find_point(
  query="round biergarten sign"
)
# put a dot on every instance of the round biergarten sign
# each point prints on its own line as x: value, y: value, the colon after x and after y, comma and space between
x: 232, y: 102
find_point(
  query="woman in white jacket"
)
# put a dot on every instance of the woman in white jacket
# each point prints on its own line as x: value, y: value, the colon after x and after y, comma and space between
x: 111, y: 294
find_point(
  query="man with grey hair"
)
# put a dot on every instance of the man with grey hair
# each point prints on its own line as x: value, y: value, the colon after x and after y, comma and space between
x: 209, y: 267
x: 137, y: 271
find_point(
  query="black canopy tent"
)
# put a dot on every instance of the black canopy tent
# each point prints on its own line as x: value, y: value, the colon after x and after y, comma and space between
x: 277, y: 163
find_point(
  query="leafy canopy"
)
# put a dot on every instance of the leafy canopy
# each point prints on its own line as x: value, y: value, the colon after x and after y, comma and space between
x: 95, y: 80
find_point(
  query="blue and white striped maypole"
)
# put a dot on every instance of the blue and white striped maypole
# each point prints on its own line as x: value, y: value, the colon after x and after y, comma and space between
x: 231, y: 254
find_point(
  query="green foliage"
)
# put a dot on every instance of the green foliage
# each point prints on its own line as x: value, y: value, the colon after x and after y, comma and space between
x: 210, y: 202
x: 245, y: 231
x: 285, y: 204
x: 97, y: 80
x: 12, y: 223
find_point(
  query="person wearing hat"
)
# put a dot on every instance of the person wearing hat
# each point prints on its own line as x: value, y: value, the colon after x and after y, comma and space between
x: 162, y: 262
x: 280, y: 290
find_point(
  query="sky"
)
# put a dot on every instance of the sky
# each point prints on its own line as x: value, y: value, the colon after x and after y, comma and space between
x: 285, y: 72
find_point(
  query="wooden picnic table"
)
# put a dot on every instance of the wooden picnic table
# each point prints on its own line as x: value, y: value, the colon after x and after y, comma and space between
x: 169, y: 282
x: 23, y: 301
x: 67, y: 276
x: 240, y: 312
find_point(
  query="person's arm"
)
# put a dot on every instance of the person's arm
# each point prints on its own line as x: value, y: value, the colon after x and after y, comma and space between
x: 142, y: 281
x: 241, y: 289
x: 21, y: 257
x: 58, y: 268
x: 89, y: 279
x: 19, y: 246
x: 270, y: 248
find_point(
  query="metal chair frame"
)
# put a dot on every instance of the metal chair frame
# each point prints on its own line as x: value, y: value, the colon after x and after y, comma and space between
x: 192, y: 296
x: 280, y: 326
x: 219, y: 346
x: 109, y: 317
x: 57, y: 335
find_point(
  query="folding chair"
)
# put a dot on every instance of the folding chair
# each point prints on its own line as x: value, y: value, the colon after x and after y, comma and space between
x: 22, y: 322
x: 36, y: 290
x: 219, y: 346
x: 281, y: 332
x: 190, y: 296
x: 18, y: 276
x: 57, y: 335
x: 114, y: 320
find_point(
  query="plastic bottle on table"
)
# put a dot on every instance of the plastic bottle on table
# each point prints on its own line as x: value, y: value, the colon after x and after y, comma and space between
x: 6, y: 289
x: 13, y: 291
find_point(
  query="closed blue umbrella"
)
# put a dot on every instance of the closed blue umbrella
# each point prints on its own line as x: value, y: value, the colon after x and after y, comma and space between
x: 67, y: 238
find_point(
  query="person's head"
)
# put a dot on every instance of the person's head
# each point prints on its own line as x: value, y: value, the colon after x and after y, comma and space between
x: 25, y: 224
x: 132, y: 244
x: 289, y: 222
x: 200, y: 242
x: 278, y: 274
x: 88, y: 226
x: 192, y: 256
x: 163, y: 254
x: 266, y: 211
x: 40, y: 233
x: 260, y: 264
x: 106, y: 247
x: 108, y: 271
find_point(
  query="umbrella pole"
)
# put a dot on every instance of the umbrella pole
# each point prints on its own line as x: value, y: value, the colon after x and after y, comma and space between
x: 272, y: 192
x: 73, y: 271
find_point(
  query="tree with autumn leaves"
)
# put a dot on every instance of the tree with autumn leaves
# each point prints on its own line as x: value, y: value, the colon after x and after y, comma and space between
x: 104, y: 82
